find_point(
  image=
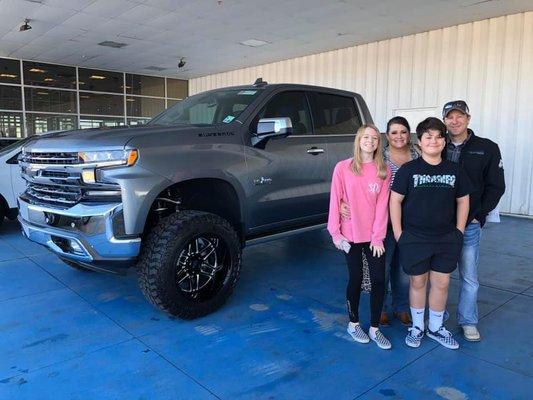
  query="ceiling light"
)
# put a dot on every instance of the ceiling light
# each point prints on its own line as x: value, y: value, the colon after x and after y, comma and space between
x: 81, y: 83
x: 43, y: 93
x: 8, y: 76
x: 25, y: 26
x: 110, y: 43
x: 99, y: 77
x: 48, y: 79
x: 130, y: 99
x: 253, y: 42
x: 40, y: 71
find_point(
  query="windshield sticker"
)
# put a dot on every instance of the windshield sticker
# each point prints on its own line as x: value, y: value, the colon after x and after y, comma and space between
x: 247, y: 92
x: 228, y: 119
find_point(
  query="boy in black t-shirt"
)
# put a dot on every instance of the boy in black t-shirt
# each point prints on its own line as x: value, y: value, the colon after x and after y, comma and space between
x: 429, y: 208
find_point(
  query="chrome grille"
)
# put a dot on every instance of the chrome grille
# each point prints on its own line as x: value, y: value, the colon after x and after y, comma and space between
x: 52, y: 158
x: 64, y: 195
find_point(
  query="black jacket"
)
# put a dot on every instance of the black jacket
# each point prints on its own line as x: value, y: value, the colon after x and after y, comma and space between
x: 482, y: 161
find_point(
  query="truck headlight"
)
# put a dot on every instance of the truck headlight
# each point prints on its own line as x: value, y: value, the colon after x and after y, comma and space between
x: 109, y: 158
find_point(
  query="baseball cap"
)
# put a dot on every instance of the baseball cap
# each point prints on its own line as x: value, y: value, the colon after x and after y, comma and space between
x: 455, y: 105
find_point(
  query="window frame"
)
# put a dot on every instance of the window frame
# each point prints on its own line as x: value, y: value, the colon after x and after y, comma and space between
x: 313, y: 94
x: 305, y: 92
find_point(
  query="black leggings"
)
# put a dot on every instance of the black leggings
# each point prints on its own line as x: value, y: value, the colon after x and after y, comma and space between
x: 376, y: 266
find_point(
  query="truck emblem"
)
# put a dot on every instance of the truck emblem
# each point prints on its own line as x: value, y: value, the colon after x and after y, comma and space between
x: 262, y: 181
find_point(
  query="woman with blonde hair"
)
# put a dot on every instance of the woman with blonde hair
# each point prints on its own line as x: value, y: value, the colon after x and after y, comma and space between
x: 363, y: 183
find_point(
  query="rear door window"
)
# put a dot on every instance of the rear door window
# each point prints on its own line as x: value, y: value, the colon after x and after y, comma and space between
x: 335, y: 115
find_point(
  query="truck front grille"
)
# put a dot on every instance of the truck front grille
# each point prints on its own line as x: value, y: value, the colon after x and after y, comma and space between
x: 55, y: 194
x: 52, y: 158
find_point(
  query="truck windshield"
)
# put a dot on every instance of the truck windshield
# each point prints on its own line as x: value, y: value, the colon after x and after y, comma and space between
x: 210, y: 108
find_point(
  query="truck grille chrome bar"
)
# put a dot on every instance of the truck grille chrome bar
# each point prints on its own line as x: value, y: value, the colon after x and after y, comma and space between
x: 52, y: 158
x: 54, y: 194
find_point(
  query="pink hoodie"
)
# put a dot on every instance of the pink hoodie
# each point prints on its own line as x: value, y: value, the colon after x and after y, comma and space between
x: 368, y: 198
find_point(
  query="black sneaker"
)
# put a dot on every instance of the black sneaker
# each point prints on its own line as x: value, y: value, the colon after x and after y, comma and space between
x: 414, y: 337
x: 444, y: 337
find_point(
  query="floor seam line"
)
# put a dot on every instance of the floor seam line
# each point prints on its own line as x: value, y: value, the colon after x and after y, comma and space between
x: 179, y: 369
x: 72, y: 358
x: 32, y: 294
x: 396, y: 372
x: 495, y: 364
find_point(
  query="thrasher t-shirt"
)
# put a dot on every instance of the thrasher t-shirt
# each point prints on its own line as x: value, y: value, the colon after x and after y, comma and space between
x: 429, y: 206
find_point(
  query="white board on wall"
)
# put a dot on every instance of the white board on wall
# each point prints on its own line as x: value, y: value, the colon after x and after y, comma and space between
x: 416, y: 115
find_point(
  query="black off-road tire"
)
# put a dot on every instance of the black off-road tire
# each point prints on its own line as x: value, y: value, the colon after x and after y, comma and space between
x: 158, y: 268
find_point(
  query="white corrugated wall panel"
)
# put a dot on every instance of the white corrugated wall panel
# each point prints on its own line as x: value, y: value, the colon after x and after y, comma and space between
x: 488, y: 63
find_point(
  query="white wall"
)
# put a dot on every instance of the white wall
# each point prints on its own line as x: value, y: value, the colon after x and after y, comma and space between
x: 488, y: 63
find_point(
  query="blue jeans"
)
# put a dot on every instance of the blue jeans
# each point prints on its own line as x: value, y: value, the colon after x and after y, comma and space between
x: 396, y: 280
x: 468, y: 263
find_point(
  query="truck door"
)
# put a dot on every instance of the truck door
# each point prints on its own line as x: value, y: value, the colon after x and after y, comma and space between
x: 337, y: 119
x: 288, y: 182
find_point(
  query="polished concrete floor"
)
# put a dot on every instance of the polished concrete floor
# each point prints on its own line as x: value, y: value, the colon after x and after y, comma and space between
x: 66, y: 334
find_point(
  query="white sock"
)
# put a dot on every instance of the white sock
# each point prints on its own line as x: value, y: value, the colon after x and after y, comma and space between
x: 372, y: 332
x: 352, y: 325
x: 417, y: 314
x: 435, y: 320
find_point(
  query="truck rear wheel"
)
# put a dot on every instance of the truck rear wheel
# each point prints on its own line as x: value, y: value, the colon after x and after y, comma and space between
x: 190, y: 263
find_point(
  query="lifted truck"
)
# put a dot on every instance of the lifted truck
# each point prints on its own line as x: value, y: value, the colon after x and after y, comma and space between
x: 181, y: 196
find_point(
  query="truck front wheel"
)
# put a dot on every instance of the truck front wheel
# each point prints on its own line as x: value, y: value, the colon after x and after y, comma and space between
x: 190, y: 263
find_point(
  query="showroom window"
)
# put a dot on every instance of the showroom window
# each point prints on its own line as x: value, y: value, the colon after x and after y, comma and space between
x: 101, y: 81
x: 9, y: 71
x: 39, y: 97
x: 49, y: 75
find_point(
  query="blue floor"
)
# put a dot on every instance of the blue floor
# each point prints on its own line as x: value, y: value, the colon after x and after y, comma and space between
x: 66, y: 334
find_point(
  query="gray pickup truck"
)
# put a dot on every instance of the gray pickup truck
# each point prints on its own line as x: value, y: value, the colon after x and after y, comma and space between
x: 181, y: 196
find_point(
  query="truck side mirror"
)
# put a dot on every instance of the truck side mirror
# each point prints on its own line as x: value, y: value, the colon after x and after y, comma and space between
x: 270, y: 128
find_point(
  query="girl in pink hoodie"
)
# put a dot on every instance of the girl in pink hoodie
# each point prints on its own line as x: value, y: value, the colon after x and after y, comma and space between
x: 363, y: 183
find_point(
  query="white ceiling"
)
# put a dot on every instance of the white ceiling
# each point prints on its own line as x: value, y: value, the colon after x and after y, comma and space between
x: 207, y: 32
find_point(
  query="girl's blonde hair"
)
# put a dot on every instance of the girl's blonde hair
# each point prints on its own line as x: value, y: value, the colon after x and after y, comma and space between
x: 357, y: 160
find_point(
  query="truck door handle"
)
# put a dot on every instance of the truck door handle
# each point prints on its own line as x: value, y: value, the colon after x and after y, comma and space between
x: 315, y: 151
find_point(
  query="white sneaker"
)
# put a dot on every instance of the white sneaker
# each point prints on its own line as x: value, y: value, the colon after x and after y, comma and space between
x: 357, y: 333
x: 381, y: 341
x: 471, y: 333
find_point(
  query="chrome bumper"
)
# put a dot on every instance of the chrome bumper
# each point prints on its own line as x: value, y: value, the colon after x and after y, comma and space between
x: 82, y: 233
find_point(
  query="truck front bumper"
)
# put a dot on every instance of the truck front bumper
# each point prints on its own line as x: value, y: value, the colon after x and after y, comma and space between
x: 84, y: 233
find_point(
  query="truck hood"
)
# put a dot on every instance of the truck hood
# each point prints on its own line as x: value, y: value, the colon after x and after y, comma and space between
x: 101, y: 138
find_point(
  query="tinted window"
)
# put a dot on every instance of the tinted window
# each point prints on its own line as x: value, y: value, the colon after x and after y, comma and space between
x: 98, y: 122
x: 144, y: 106
x: 145, y: 85
x: 40, y: 123
x: 101, y: 81
x: 335, y: 115
x: 101, y: 104
x: 10, y: 97
x: 40, y: 74
x: 62, y: 101
x: 292, y: 105
x: 9, y: 71
x: 10, y: 124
